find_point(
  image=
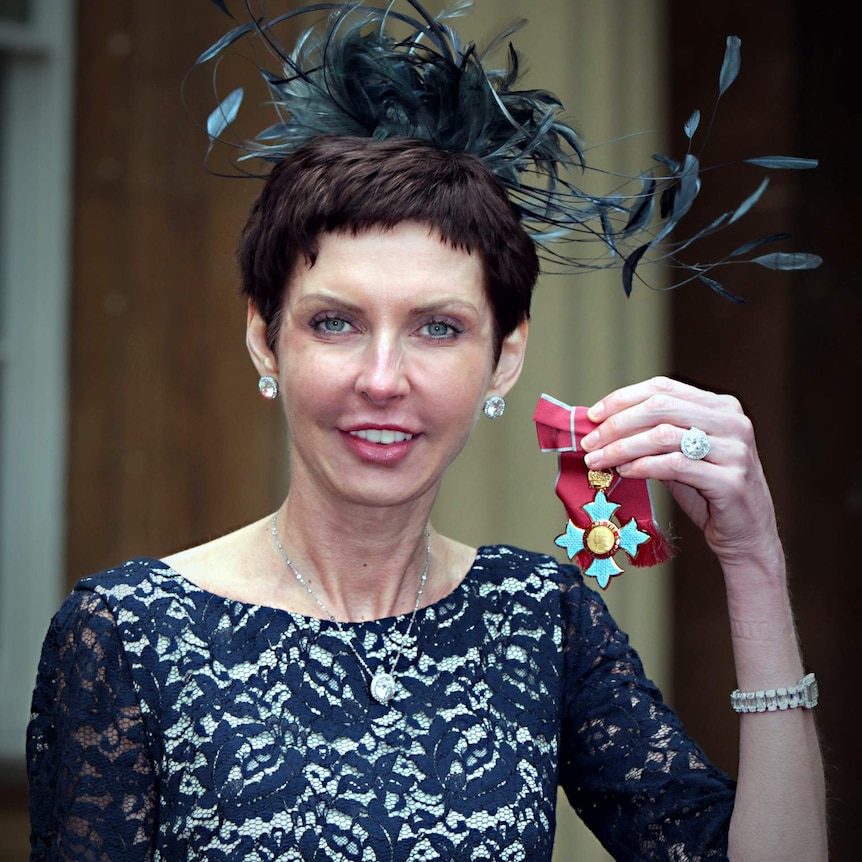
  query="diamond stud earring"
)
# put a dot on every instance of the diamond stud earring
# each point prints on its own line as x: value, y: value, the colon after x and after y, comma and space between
x: 268, y: 387
x: 494, y: 406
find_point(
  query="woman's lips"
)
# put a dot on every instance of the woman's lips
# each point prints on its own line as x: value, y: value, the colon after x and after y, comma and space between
x: 380, y: 445
x: 383, y: 436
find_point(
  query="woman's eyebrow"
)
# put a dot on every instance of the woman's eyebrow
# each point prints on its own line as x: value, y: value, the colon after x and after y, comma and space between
x: 447, y: 304
x: 328, y: 299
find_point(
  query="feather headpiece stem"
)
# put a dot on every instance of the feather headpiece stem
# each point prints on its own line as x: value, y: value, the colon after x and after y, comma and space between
x: 349, y: 73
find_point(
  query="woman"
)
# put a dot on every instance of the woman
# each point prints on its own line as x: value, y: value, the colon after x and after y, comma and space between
x: 338, y: 680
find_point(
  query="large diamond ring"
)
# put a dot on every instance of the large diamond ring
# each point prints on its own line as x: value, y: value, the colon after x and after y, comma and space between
x: 694, y: 444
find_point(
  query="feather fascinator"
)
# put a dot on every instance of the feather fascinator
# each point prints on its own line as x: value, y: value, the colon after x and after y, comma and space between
x: 379, y: 72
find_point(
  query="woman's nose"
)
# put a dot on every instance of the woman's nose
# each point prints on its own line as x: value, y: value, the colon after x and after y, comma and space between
x: 382, y: 374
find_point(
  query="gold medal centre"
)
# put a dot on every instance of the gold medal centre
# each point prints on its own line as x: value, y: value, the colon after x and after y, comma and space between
x: 602, y: 538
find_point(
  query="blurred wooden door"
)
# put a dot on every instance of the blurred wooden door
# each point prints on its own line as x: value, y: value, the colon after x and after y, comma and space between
x: 169, y: 439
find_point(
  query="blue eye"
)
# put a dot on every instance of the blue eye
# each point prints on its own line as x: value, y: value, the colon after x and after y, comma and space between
x: 440, y: 329
x: 331, y: 325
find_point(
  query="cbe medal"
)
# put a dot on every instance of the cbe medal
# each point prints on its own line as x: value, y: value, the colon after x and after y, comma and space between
x: 604, y: 536
x: 597, y: 527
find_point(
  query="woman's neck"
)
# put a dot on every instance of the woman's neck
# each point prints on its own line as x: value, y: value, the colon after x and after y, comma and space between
x: 362, y: 563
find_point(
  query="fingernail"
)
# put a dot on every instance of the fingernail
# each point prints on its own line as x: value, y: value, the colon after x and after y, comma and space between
x: 590, y: 458
x: 596, y: 412
x: 590, y: 440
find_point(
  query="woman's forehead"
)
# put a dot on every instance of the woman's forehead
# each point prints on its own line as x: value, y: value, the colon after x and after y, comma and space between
x: 411, y: 247
x: 409, y: 259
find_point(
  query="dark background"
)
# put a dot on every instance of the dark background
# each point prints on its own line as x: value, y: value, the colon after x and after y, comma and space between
x: 791, y: 354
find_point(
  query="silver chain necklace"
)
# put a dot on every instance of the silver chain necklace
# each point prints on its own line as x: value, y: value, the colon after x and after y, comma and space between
x: 383, y: 683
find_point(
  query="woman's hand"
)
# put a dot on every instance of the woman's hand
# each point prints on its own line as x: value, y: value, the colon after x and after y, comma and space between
x: 639, y: 431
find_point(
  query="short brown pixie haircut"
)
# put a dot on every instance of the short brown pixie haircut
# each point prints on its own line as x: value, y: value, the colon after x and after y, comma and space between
x: 334, y: 184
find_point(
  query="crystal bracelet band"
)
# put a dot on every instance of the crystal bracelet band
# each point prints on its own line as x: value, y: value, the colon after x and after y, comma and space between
x: 804, y: 695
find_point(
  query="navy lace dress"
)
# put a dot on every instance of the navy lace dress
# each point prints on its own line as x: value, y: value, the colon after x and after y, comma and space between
x: 169, y: 723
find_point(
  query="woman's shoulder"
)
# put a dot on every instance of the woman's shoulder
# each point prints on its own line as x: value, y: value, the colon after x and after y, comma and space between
x: 132, y: 586
x: 522, y: 571
x: 135, y: 606
x: 211, y: 567
x: 132, y: 575
x: 504, y: 569
x: 510, y: 560
x: 87, y: 619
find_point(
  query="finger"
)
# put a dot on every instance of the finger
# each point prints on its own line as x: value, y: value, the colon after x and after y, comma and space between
x: 714, y: 414
x: 657, y: 388
x: 658, y: 425
x: 663, y: 439
x: 740, y: 479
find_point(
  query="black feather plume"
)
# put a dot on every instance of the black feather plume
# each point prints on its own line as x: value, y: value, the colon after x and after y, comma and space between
x: 349, y: 74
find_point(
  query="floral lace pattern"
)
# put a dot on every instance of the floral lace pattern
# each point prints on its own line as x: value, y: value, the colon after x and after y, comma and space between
x: 170, y: 723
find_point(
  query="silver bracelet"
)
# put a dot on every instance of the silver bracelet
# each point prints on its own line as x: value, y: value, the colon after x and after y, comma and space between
x: 804, y: 695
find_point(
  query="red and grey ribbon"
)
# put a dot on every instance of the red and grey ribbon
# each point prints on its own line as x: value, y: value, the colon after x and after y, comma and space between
x: 560, y: 429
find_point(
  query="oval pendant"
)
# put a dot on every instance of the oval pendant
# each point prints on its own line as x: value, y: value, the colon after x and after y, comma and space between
x: 383, y: 686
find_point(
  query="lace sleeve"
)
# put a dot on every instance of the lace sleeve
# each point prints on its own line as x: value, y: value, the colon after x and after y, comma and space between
x: 92, y: 786
x: 628, y: 767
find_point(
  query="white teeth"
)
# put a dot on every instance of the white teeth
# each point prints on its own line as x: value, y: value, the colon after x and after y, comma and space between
x: 377, y: 435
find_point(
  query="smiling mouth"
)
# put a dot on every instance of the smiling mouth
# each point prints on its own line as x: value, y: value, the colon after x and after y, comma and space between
x: 382, y: 436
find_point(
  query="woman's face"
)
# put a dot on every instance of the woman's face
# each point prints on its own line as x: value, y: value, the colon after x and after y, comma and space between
x: 384, y: 360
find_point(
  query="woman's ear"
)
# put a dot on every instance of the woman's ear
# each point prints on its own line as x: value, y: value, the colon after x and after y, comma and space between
x: 256, y: 341
x: 511, y: 360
